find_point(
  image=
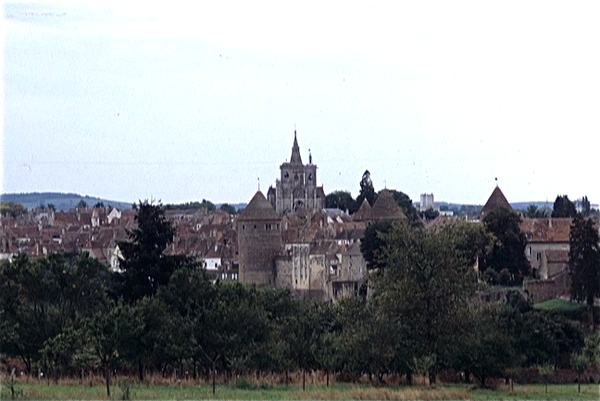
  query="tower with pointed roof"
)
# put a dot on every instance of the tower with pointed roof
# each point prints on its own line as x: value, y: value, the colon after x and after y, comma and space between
x: 386, y: 208
x: 497, y: 200
x: 297, y: 188
x: 259, y: 242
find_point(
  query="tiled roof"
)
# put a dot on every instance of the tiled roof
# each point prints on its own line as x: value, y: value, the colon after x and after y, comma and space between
x: 386, y: 208
x: 363, y: 212
x: 496, y: 200
x: 547, y: 230
x: 259, y: 208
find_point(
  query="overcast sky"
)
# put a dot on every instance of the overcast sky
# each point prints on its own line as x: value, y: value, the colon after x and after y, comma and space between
x: 182, y: 102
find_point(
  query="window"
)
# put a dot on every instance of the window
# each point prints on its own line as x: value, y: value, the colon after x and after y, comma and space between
x: 539, y: 256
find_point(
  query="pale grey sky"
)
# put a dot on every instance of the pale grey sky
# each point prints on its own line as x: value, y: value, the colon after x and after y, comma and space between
x: 180, y: 102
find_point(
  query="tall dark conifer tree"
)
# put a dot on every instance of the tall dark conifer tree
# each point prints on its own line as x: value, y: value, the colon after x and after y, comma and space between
x: 584, y: 263
x: 145, y: 265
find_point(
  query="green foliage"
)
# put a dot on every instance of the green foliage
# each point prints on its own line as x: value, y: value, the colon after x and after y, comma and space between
x: 563, y: 207
x: 509, y: 249
x: 424, y: 364
x: 82, y: 204
x: 428, y: 283
x: 534, y: 213
x: 591, y: 349
x: 558, y: 305
x: 367, y: 191
x: 55, y: 313
x: 586, y: 208
x: 12, y: 209
x: 546, y: 371
x: 579, y: 363
x: 539, y: 337
x: 59, y: 351
x: 374, y: 242
x: 105, y: 331
x: 584, y: 261
x: 429, y: 214
x: 228, y: 208
x: 341, y: 200
x: 42, y: 303
x: 485, y: 350
x: 205, y: 204
x: 145, y: 266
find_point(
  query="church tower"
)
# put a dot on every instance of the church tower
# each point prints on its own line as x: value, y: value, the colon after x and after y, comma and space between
x: 297, y: 187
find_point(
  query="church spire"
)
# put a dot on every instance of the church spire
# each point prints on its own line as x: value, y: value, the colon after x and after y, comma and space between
x: 296, y: 159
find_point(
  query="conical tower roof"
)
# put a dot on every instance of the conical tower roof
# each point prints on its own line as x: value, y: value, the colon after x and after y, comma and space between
x: 363, y: 212
x: 386, y: 208
x: 259, y: 208
x: 497, y: 200
x: 296, y: 158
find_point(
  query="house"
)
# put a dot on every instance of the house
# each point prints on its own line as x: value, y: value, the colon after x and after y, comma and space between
x: 547, y: 247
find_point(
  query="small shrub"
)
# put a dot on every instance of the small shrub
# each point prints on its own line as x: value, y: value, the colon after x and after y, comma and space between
x: 490, y: 276
x: 126, y: 390
x: 243, y: 383
x: 504, y: 277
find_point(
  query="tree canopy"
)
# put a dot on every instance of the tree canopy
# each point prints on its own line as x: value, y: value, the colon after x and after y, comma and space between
x: 13, y: 209
x: 341, y: 200
x: 367, y: 191
x: 226, y: 207
x: 584, y: 261
x: 563, y: 207
x: 534, y: 212
x: 145, y: 267
x: 509, y: 249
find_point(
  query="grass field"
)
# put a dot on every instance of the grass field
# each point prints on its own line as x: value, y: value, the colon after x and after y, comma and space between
x: 338, y: 391
x: 559, y: 305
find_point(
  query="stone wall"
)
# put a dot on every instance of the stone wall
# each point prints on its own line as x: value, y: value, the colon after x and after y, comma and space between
x: 544, y: 290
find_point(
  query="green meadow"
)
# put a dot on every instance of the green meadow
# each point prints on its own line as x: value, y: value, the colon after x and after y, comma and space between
x: 336, y: 391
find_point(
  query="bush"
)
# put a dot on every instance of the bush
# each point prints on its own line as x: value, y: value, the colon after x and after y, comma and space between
x: 504, y: 277
x: 490, y: 276
x: 243, y: 383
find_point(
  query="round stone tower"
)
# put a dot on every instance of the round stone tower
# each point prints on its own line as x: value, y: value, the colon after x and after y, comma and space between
x: 259, y: 242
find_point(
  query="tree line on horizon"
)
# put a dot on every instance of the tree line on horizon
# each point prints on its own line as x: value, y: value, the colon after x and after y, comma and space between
x: 418, y: 314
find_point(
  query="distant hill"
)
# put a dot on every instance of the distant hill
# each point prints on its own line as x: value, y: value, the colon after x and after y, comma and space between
x: 474, y: 210
x: 60, y: 201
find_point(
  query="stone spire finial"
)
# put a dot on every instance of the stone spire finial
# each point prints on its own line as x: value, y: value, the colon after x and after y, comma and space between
x: 296, y: 159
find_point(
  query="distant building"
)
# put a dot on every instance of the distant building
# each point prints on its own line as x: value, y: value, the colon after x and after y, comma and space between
x: 297, y: 188
x: 426, y: 202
